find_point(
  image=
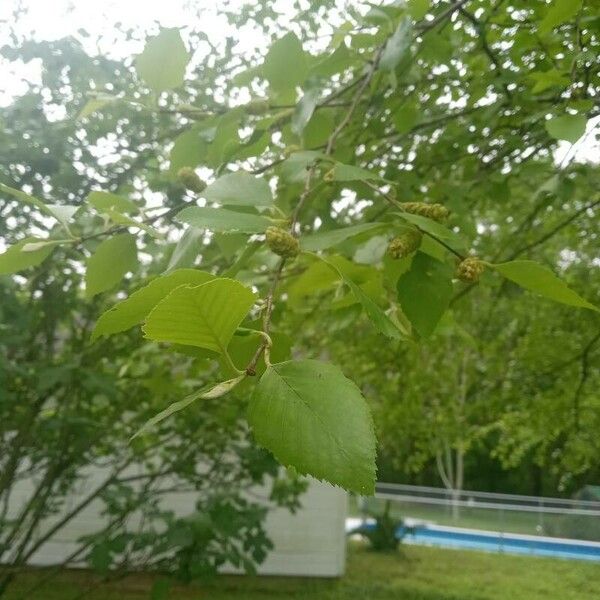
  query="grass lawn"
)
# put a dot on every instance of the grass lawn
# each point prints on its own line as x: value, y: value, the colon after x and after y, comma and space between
x: 417, y: 573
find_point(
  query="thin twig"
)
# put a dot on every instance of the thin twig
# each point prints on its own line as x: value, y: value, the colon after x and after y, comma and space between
x: 251, y: 367
x: 442, y: 16
x: 554, y: 230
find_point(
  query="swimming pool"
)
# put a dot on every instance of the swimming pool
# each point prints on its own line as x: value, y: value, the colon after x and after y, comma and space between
x: 493, y: 541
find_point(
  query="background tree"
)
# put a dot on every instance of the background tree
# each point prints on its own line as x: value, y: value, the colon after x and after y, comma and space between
x: 422, y: 130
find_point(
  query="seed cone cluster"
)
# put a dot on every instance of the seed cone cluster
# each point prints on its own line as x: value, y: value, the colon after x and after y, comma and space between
x: 282, y: 242
x: 470, y: 269
x: 187, y: 176
x: 405, y: 244
x: 437, y: 212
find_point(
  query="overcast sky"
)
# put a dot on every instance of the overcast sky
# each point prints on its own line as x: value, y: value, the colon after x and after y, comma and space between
x: 92, y: 22
x: 53, y: 19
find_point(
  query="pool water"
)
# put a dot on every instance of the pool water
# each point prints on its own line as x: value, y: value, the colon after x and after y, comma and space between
x: 504, y: 542
x: 492, y: 541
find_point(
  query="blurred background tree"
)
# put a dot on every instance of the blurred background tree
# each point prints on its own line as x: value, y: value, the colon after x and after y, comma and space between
x: 478, y: 116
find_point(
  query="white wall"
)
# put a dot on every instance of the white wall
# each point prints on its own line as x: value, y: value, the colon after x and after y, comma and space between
x: 310, y: 542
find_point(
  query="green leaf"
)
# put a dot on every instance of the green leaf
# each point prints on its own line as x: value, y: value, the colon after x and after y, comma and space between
x: 373, y: 251
x: 120, y: 219
x: 239, y: 189
x: 397, y: 47
x: 326, y: 239
x: 295, y: 167
x: 38, y: 245
x: 113, y: 258
x: 164, y: 59
x: 317, y: 131
x: 230, y: 244
x: 106, y: 201
x: 95, y: 104
x: 322, y: 277
x: 342, y: 172
x: 222, y: 220
x: 215, y: 392
x: 312, y: 418
x: 187, y: 249
x: 406, y: 117
x: 433, y: 227
x: 424, y: 292
x: 188, y: 150
x: 376, y: 315
x: 205, y: 315
x: 538, y: 279
x: 26, y: 198
x: 61, y: 212
x: 16, y: 259
x: 285, y: 65
x: 304, y: 110
x: 547, y: 79
x: 567, y: 127
x: 339, y: 60
x: 133, y: 310
x: 244, y: 257
x: 560, y: 12
x: 226, y: 141
x: 417, y: 9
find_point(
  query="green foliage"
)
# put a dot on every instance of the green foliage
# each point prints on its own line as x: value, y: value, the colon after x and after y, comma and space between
x: 110, y: 261
x: 68, y: 407
x: 567, y: 127
x: 424, y: 292
x: 137, y: 307
x: 285, y: 65
x: 313, y: 418
x: 162, y: 63
x: 239, y: 189
x: 328, y: 239
x: 187, y: 249
x: 61, y: 213
x: 438, y: 118
x: 558, y: 13
x: 397, y: 46
x: 205, y: 315
x: 536, y: 278
x: 386, y: 531
x: 215, y: 392
x: 21, y: 256
x: 222, y: 220
x: 105, y: 202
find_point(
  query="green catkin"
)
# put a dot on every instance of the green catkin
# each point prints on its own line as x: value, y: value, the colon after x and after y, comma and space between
x: 437, y: 212
x: 282, y: 242
x: 187, y: 177
x: 470, y: 269
x: 405, y: 244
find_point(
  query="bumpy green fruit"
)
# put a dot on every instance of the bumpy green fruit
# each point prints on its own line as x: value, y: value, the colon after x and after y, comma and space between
x: 437, y: 212
x: 282, y: 242
x: 187, y: 176
x: 470, y: 269
x: 405, y: 244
